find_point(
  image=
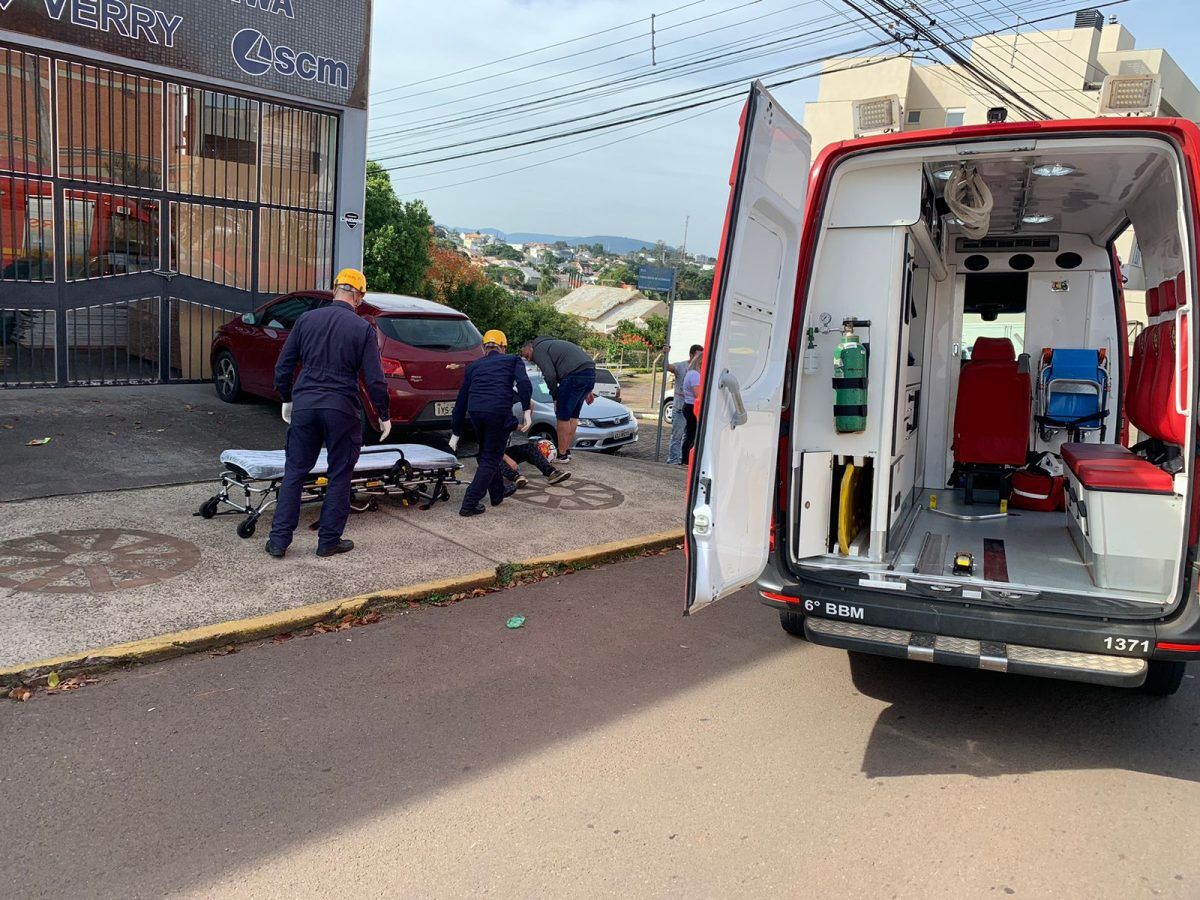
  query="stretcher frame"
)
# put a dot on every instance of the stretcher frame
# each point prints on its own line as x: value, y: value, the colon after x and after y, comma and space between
x: 424, y: 487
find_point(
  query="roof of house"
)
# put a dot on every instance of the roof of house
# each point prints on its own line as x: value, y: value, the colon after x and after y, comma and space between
x: 594, y: 301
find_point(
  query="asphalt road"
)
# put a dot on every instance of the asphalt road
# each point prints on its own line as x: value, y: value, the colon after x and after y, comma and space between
x: 608, y: 748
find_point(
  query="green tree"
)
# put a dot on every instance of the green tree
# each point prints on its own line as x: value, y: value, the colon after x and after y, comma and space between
x: 561, y: 246
x: 547, y: 282
x: 655, y: 331
x: 503, y: 251
x: 618, y: 273
x: 693, y: 283
x: 537, y: 317
x: 396, y: 237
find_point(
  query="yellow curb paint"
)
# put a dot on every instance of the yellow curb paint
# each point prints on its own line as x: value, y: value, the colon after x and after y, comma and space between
x: 257, y: 627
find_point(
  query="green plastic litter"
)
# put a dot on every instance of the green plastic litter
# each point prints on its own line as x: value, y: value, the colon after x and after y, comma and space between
x: 516, y: 622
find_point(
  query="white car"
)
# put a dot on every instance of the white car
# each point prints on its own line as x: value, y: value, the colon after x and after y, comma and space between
x: 603, y: 424
x: 607, y: 384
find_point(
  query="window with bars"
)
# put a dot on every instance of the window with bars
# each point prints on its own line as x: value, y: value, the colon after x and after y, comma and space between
x: 25, y: 138
x: 212, y: 144
x: 109, y: 126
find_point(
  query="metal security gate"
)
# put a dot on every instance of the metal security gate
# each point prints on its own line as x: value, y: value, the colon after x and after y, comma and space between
x: 132, y: 213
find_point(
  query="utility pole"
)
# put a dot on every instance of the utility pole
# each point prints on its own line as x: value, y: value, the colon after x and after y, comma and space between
x: 653, y: 49
x: 683, y: 249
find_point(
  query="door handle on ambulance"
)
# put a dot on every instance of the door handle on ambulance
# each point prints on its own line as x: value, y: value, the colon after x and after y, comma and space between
x: 1180, y: 334
x: 728, y: 382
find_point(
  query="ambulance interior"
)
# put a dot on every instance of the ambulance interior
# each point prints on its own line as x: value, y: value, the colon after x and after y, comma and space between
x: 978, y: 454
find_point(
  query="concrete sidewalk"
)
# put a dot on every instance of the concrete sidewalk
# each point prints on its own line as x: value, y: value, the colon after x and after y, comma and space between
x: 83, y: 572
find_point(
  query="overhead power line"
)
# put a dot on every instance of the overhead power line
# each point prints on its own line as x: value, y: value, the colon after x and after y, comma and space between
x: 503, y: 59
x: 469, y: 82
x: 707, y: 105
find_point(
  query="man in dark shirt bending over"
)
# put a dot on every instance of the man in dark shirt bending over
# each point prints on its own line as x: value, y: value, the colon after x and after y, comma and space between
x: 332, y: 345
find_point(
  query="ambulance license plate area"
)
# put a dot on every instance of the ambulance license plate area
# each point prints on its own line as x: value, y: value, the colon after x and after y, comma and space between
x: 445, y: 408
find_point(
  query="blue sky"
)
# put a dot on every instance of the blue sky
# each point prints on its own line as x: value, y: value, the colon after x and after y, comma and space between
x: 644, y: 179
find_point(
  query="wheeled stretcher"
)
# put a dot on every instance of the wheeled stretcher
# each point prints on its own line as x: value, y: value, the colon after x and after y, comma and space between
x: 413, y: 472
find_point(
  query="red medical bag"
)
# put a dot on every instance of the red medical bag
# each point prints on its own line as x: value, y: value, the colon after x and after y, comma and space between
x: 1037, y: 491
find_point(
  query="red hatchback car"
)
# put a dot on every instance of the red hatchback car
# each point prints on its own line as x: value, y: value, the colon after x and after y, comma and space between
x: 425, y: 348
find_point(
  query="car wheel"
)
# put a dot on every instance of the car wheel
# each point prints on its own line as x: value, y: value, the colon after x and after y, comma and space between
x: 543, y: 433
x: 1164, y: 678
x: 667, y: 412
x: 792, y: 622
x: 226, y: 378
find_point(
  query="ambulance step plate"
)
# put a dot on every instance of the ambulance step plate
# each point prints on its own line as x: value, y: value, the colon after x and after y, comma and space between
x: 1069, y: 664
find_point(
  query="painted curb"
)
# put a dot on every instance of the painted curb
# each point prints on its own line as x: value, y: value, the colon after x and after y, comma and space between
x: 239, y: 631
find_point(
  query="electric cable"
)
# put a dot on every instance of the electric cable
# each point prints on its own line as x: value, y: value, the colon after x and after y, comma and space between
x: 582, y: 37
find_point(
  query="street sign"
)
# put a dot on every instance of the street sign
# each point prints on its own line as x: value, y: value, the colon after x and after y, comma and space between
x: 652, y: 278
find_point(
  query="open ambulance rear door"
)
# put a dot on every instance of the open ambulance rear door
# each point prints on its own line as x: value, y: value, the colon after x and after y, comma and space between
x: 746, y: 356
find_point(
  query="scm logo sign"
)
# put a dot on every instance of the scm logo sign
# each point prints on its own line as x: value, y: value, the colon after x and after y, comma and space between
x: 254, y: 55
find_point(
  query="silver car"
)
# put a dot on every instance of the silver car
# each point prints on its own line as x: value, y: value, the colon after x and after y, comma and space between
x: 603, y: 424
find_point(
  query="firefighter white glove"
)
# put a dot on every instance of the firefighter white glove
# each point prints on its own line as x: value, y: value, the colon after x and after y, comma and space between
x: 385, y: 428
x: 453, y: 443
x: 287, y: 413
x: 527, y: 423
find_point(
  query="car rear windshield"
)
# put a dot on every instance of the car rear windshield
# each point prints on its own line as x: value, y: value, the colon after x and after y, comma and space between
x: 431, y: 332
x: 603, y: 376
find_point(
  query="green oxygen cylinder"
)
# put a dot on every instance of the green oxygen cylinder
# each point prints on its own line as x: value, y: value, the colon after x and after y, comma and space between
x: 849, y: 382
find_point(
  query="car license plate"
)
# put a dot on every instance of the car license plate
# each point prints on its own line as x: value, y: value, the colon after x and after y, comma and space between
x: 622, y: 434
x: 444, y: 409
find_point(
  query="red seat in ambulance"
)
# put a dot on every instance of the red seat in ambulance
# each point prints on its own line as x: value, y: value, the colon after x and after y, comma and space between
x: 991, y: 414
x: 1150, y: 404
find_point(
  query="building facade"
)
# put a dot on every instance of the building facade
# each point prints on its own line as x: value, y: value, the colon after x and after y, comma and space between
x: 165, y: 168
x: 1060, y: 71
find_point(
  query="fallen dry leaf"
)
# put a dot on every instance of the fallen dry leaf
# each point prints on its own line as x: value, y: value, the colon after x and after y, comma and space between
x: 283, y: 636
x: 52, y: 680
x: 20, y: 693
x: 223, y: 651
x: 72, y: 684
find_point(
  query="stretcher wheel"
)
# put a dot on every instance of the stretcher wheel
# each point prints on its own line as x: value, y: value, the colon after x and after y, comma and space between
x: 246, y: 528
x: 208, y: 508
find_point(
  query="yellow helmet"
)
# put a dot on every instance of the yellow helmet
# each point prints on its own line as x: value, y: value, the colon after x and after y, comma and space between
x: 495, y: 336
x: 351, y: 278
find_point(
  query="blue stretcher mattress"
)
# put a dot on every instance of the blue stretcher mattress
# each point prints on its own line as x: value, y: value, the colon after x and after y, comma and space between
x: 269, y: 464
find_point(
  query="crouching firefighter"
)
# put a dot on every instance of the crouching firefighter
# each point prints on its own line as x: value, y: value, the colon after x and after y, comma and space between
x: 486, y: 398
x: 333, y: 345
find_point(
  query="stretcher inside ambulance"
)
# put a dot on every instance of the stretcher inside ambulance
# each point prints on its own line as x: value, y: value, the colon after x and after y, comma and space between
x: 930, y: 427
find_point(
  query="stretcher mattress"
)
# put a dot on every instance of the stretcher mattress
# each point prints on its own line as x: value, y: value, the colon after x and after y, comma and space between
x: 268, y: 464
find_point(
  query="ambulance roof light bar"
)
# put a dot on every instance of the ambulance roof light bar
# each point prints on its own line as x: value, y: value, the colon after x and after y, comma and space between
x: 876, y: 115
x: 1130, y: 95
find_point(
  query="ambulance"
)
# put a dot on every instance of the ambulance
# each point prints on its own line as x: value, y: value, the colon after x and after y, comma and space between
x: 929, y: 427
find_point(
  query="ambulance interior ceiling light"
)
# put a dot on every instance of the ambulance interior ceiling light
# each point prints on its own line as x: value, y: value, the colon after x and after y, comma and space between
x: 1053, y: 170
x: 1036, y: 218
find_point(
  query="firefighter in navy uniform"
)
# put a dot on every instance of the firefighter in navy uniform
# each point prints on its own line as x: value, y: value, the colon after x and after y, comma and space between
x: 486, y: 398
x: 333, y: 346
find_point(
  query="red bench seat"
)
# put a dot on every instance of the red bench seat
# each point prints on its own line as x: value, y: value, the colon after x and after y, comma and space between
x: 1108, y: 467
